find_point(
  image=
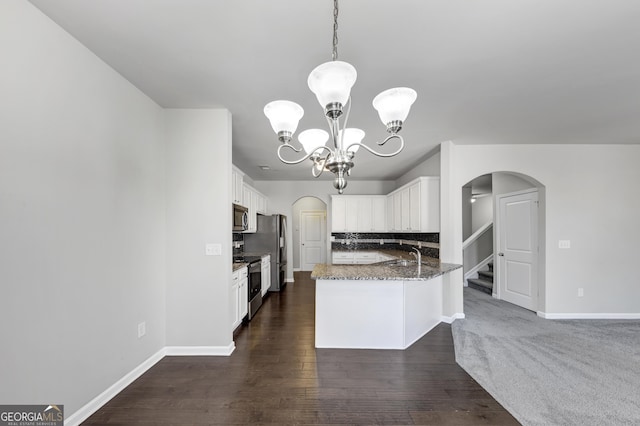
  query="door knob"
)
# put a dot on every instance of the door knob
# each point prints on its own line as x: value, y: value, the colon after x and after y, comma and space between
x: 500, y: 254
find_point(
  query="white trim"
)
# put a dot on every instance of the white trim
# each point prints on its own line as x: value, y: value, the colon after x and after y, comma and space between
x: 451, y: 319
x: 200, y: 350
x: 595, y: 315
x: 297, y: 269
x: 289, y: 280
x: 96, y: 403
x: 476, y: 235
x: 475, y: 269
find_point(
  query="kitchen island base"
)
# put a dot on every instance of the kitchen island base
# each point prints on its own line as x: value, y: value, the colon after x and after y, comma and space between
x: 376, y: 314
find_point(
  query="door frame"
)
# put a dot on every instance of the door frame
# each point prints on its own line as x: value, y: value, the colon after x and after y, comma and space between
x: 322, y: 231
x: 497, y: 244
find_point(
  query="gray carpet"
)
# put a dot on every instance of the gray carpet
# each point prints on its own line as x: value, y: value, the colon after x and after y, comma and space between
x: 551, y: 372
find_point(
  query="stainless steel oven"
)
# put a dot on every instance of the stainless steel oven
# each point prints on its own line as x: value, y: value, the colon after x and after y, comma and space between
x: 255, y: 287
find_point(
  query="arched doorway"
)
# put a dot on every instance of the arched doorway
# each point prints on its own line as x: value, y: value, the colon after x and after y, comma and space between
x: 503, y: 237
x: 309, y: 235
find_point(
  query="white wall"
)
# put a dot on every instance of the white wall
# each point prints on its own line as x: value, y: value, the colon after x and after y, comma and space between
x: 588, y: 201
x: 429, y: 167
x: 282, y: 195
x: 467, y: 208
x: 481, y: 212
x: 82, y: 240
x: 306, y: 203
x: 198, y: 212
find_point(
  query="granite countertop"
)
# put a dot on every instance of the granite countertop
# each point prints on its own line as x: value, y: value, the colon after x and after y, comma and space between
x: 239, y: 265
x: 428, y: 270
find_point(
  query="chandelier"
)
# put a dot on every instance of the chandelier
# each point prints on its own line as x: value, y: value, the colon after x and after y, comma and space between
x: 331, y: 82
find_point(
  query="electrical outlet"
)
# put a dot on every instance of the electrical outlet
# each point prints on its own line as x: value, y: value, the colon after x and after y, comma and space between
x: 211, y: 249
x: 142, y: 329
x: 564, y: 244
x: 580, y: 292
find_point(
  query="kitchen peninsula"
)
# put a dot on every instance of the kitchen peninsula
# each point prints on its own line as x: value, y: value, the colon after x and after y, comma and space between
x: 388, y: 305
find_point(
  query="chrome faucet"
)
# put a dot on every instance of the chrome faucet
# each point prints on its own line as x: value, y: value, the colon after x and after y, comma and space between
x: 418, y: 256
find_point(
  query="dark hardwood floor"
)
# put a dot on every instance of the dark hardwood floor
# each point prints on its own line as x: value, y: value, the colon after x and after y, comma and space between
x: 276, y: 376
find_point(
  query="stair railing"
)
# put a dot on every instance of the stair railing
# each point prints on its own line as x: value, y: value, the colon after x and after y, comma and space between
x: 477, y: 251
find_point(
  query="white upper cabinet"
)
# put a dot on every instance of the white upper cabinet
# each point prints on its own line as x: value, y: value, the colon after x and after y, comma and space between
x: 237, y: 180
x: 256, y: 203
x: 416, y: 206
x: 358, y: 213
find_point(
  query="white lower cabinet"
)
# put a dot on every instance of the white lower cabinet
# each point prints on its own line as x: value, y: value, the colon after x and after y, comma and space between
x: 342, y: 258
x: 265, y: 276
x: 238, y: 300
x: 365, y: 257
x: 244, y: 293
x: 357, y: 257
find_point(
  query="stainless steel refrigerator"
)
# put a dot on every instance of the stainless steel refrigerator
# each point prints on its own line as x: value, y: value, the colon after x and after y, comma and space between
x: 271, y: 237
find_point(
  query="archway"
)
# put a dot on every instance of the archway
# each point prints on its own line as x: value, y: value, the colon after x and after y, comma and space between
x: 314, y: 210
x: 483, y: 233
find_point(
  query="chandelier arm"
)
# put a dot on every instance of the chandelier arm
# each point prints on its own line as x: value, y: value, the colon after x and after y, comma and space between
x: 380, y: 154
x: 298, y: 150
x: 316, y: 165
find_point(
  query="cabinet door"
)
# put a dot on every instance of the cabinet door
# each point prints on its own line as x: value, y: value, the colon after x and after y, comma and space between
x: 390, y: 213
x: 379, y: 214
x: 342, y: 258
x: 397, y: 211
x: 243, y: 308
x: 365, y: 258
x: 364, y: 214
x: 237, y: 181
x: 405, y: 210
x: 234, y: 301
x: 248, y: 200
x: 414, y: 207
x: 338, y: 214
x: 266, y: 274
x: 351, y: 212
x: 430, y: 205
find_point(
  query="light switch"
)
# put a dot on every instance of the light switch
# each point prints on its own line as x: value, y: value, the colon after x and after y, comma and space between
x: 564, y: 244
x: 213, y: 249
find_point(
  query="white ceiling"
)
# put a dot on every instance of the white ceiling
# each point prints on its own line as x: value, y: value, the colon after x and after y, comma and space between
x: 489, y: 71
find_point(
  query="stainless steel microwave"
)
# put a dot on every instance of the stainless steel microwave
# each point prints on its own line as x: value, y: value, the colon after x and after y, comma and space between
x: 240, y: 218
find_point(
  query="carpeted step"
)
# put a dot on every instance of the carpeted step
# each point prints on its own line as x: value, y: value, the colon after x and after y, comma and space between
x: 480, y: 284
x: 486, y: 275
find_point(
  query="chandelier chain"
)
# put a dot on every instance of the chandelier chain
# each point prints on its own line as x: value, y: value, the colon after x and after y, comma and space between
x: 335, y: 30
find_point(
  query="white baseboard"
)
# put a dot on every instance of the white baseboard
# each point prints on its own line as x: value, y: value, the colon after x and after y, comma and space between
x: 296, y: 269
x: 200, y: 350
x: 289, y: 280
x: 451, y: 319
x: 617, y: 316
x: 94, y: 405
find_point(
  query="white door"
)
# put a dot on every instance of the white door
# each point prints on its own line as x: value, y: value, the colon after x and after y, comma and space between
x: 312, y: 238
x: 517, y: 223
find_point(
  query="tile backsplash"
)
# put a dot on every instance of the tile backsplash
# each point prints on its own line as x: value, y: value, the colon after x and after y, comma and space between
x: 429, y: 242
x: 237, y: 238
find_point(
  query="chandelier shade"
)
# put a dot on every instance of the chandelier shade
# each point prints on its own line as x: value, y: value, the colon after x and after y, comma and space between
x: 350, y: 136
x: 394, y: 104
x: 312, y: 139
x: 331, y: 82
x: 283, y: 115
